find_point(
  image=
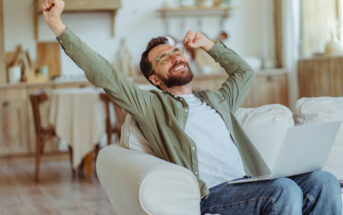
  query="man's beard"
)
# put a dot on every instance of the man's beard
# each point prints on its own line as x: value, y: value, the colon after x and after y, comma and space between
x: 174, y: 81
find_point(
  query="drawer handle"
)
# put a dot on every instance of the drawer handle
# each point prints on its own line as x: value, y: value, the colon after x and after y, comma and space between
x: 270, y: 78
x: 5, y: 104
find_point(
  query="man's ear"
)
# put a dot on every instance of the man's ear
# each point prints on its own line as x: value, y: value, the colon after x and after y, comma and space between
x: 155, y: 80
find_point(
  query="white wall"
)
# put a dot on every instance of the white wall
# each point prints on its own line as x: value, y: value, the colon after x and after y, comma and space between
x: 137, y: 21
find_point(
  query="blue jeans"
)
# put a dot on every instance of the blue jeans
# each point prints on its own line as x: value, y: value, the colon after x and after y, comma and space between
x: 312, y: 193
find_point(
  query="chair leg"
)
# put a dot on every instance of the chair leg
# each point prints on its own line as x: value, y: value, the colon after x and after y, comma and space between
x: 96, y: 151
x: 70, y: 149
x: 38, y: 154
x: 117, y: 137
x: 109, y: 138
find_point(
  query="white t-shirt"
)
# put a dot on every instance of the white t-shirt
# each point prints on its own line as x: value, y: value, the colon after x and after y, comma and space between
x: 218, y: 158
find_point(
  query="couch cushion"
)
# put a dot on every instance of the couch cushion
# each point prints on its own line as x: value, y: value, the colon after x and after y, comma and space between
x: 132, y: 137
x: 266, y: 127
x: 324, y: 109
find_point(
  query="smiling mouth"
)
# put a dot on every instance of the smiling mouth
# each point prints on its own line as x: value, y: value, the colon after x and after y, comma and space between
x: 178, y: 68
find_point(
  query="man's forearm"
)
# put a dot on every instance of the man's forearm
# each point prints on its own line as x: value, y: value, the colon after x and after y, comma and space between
x: 57, y: 27
x: 208, y: 45
x: 228, y: 59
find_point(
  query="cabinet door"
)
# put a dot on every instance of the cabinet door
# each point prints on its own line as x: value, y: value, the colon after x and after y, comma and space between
x: 268, y: 89
x: 13, y: 129
x: 320, y: 77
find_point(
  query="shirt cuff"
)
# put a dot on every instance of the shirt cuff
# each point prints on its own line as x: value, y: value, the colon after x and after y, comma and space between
x: 217, y: 49
x: 65, y: 38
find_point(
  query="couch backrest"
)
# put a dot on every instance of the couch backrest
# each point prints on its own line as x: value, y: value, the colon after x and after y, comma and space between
x: 265, y: 126
x: 324, y: 109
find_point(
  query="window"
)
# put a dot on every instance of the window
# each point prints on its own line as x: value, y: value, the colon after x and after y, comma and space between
x: 320, y: 21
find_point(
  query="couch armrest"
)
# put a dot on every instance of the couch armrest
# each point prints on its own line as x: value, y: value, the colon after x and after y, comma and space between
x: 138, y: 183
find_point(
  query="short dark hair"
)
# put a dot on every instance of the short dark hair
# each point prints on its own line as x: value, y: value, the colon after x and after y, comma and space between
x: 145, y: 65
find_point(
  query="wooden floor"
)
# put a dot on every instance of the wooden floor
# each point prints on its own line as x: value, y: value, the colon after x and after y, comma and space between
x: 56, y: 193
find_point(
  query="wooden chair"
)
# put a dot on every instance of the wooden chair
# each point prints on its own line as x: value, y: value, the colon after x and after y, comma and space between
x: 120, y: 114
x: 42, y: 134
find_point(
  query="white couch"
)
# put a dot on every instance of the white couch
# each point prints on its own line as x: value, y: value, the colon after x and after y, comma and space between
x: 139, y: 183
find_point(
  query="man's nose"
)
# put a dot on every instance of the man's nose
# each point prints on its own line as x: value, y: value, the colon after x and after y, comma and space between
x: 174, y: 59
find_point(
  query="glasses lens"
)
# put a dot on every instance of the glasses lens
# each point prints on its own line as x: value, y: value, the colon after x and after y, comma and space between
x: 164, y: 58
x: 178, y: 52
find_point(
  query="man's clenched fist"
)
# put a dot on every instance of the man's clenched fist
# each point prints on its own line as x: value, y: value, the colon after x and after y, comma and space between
x: 194, y: 39
x: 52, y: 10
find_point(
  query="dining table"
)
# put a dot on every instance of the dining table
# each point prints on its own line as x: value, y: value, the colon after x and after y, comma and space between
x: 78, y: 116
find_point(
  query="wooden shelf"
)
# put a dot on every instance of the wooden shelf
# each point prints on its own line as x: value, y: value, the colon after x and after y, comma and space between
x: 76, y: 6
x: 196, y: 11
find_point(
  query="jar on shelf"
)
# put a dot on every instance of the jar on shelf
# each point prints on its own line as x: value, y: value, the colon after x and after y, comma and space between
x: 171, y: 4
x: 188, y: 3
x: 205, y: 3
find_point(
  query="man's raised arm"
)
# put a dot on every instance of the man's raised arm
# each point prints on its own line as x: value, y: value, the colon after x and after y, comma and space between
x: 236, y: 87
x: 97, y: 69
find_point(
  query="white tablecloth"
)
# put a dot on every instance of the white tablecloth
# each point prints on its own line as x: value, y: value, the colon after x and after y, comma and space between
x: 78, y: 116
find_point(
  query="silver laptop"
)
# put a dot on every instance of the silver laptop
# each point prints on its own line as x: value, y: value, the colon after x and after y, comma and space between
x: 304, y: 149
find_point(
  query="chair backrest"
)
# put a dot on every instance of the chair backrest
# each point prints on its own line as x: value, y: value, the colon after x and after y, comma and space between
x: 36, y: 99
x: 119, y: 112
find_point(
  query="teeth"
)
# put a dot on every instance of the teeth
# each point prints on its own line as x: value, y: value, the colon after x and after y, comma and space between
x: 179, y: 67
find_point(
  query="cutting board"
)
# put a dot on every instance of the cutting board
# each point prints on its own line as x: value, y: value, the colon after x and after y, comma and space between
x: 48, y: 53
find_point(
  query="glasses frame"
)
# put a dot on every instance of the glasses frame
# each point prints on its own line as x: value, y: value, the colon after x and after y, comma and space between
x: 157, y: 60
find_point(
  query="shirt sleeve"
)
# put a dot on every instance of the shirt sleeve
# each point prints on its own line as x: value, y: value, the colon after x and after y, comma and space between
x: 104, y: 75
x: 241, y: 75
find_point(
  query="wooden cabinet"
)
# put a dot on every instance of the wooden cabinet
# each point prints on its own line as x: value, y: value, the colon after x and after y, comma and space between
x: 82, y: 6
x: 321, y: 76
x: 269, y: 87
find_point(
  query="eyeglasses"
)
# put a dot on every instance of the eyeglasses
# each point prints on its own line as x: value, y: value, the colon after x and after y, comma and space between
x: 166, y: 57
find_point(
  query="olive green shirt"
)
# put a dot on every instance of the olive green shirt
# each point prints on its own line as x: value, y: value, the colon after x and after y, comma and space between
x: 162, y: 117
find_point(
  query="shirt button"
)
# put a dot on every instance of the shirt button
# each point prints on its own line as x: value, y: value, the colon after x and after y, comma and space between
x: 196, y: 172
x: 193, y: 148
x: 186, y: 110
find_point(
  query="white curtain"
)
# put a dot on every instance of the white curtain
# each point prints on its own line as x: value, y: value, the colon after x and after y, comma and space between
x: 291, y: 27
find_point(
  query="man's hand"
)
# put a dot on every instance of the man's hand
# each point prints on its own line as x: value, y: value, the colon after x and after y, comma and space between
x: 195, y: 40
x: 52, y: 10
